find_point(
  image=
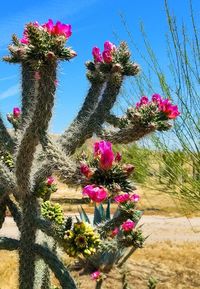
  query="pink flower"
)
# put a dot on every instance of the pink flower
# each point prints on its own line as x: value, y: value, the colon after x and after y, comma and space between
x: 50, y: 180
x: 58, y: 29
x: 24, y: 40
x: 95, y: 275
x: 128, y: 225
x: 143, y: 101
x: 135, y: 198
x: 85, y: 170
x: 156, y: 98
x: 103, y: 150
x: 16, y: 112
x: 122, y: 198
x: 48, y: 26
x: 109, y: 46
x: 96, y: 194
x: 107, y: 56
x: 171, y: 111
x: 118, y: 157
x: 115, y: 232
x: 97, y: 54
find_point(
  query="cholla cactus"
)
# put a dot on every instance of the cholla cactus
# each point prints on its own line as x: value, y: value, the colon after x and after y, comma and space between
x: 23, y: 175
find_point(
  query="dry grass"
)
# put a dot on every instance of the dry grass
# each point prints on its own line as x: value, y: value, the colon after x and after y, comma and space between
x: 175, y: 267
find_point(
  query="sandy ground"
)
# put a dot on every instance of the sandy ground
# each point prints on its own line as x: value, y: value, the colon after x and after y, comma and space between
x: 158, y: 228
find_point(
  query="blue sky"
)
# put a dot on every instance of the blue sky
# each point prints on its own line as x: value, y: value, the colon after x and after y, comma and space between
x: 93, y: 22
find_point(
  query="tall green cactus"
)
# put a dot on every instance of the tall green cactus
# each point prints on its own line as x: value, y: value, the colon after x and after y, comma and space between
x: 38, y: 53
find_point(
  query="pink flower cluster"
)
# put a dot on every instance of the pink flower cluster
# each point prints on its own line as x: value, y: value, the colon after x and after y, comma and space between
x: 50, y: 180
x: 164, y: 105
x: 124, y: 198
x: 58, y: 29
x: 95, y: 193
x: 96, y: 275
x: 128, y: 226
x: 16, y: 112
x: 107, y: 54
x: 103, y: 151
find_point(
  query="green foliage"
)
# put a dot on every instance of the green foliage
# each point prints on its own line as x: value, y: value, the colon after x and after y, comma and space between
x: 138, y: 156
x: 152, y: 283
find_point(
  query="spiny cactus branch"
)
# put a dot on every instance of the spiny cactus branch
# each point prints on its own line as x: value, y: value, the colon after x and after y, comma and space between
x: 15, y: 212
x: 50, y: 258
x: 6, y: 141
x: 57, y: 267
x: 7, y: 180
x: 88, y: 107
x: 28, y: 93
x: 126, y: 135
x: 8, y: 244
x: 98, y: 117
x: 44, y: 98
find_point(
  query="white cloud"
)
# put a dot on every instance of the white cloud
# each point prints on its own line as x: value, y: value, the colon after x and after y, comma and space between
x: 11, y: 91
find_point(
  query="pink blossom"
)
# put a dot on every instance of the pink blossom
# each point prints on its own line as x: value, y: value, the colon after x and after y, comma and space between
x: 107, y: 56
x: 50, y: 180
x: 16, y: 112
x: 24, y: 40
x: 171, y: 111
x: 97, y: 54
x: 128, y: 225
x: 96, y: 194
x: 135, y: 198
x: 122, y: 198
x: 115, y: 232
x: 156, y: 98
x: 58, y: 29
x: 143, y: 101
x: 118, y: 157
x: 85, y: 170
x: 109, y: 46
x: 95, y: 275
x: 103, y: 150
x: 49, y: 25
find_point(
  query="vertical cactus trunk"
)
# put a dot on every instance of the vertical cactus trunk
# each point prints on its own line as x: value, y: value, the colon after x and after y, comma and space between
x: 42, y: 100
x: 27, y: 241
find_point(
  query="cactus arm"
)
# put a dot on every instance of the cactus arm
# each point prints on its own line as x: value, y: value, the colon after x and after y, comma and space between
x: 87, y: 109
x: 56, y: 160
x: 44, y: 98
x: 7, y: 180
x: 28, y: 93
x: 6, y: 140
x: 8, y: 244
x: 113, y: 120
x: 126, y: 135
x: 57, y: 267
x: 97, y: 118
x: 15, y: 212
x: 2, y: 212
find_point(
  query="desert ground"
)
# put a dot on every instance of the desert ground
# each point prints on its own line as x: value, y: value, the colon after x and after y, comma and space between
x: 171, y: 252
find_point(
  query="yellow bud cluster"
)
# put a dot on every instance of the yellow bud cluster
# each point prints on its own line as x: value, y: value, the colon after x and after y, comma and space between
x: 81, y: 240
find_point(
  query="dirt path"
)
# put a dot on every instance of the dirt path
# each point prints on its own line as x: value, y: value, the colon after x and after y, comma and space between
x: 158, y: 228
